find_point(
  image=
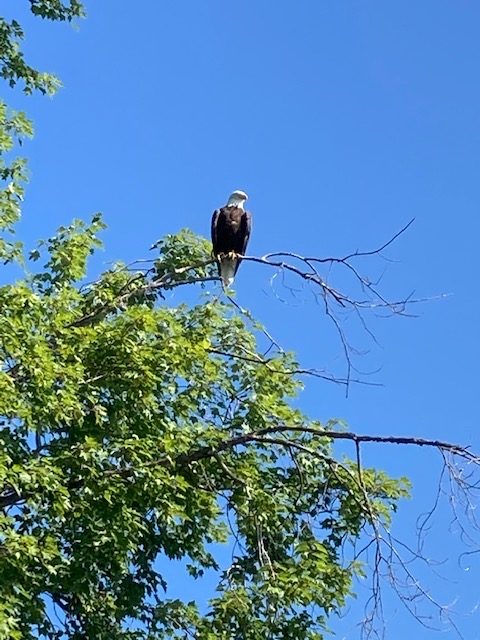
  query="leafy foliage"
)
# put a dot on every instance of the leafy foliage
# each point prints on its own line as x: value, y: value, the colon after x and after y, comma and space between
x: 138, y: 437
x: 14, y: 127
x: 13, y: 66
x: 184, y: 248
x: 57, y: 10
x: 134, y: 435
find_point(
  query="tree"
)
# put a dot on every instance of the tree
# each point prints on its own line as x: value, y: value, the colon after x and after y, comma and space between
x: 134, y: 433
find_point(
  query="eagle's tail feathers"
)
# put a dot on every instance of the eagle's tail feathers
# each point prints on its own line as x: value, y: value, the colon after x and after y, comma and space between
x: 228, y: 267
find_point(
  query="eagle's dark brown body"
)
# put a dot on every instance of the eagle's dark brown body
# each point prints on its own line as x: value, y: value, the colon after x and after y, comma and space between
x: 231, y: 228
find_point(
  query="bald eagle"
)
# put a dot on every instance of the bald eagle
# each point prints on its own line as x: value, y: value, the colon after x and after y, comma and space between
x: 231, y: 226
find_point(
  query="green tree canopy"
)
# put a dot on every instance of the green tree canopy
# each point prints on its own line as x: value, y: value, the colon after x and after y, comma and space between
x: 134, y: 433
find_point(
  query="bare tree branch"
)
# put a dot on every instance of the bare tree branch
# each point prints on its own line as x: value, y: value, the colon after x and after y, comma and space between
x: 364, y: 297
x: 11, y: 496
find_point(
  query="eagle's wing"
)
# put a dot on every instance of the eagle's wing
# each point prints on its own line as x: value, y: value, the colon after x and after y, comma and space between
x: 216, y: 213
x: 246, y: 230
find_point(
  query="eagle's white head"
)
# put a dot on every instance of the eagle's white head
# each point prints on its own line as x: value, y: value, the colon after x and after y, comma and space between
x: 237, y: 199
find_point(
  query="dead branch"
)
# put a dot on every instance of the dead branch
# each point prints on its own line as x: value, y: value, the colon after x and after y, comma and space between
x: 364, y: 296
x: 315, y: 373
x: 10, y: 496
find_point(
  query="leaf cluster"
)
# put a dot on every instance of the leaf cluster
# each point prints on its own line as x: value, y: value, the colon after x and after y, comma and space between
x: 184, y: 248
x: 13, y: 66
x: 14, y: 127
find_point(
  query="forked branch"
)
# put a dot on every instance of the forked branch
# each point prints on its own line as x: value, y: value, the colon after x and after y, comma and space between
x: 361, y: 297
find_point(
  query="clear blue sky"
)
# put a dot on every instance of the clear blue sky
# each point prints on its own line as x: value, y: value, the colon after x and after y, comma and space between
x: 342, y: 120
